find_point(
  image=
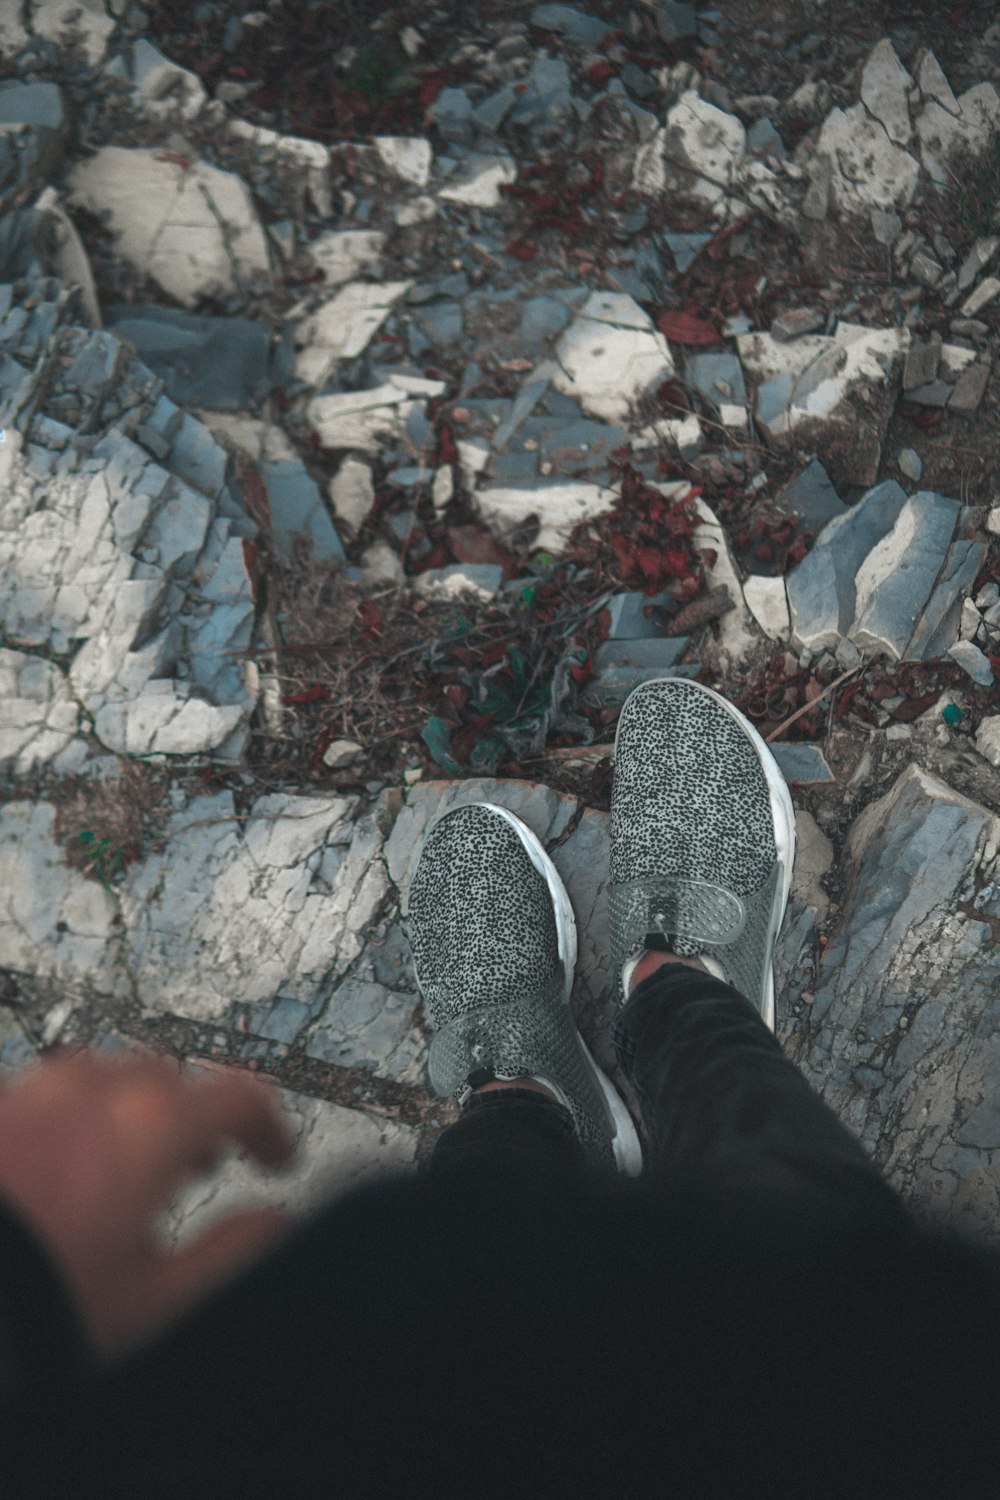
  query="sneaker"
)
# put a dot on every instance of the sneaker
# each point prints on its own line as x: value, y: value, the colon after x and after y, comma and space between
x: 494, y: 948
x: 702, y: 839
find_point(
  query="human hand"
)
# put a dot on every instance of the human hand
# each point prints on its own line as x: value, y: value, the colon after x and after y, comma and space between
x: 93, y: 1148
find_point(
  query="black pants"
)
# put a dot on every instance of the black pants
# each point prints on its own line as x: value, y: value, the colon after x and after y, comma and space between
x: 758, y: 1313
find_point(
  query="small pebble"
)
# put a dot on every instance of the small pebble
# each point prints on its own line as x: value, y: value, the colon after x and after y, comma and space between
x: 910, y: 463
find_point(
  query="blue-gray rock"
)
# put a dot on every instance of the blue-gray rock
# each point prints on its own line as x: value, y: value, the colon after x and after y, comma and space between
x: 901, y: 1039
x: 662, y: 651
x: 974, y: 662
x: 367, y: 1026
x: 774, y: 397
x: 513, y: 468
x: 222, y: 364
x: 453, y: 114
x: 705, y: 371
x: 543, y: 317
x: 684, y: 247
x: 894, y: 587
x: 546, y: 97
x: 811, y: 496
x: 297, y: 506
x: 801, y: 764
x: 821, y: 590
x: 39, y: 104
x: 937, y: 628
x: 763, y: 137
x: 440, y: 322
x: 528, y: 397
x: 495, y: 108
x: 637, y: 616
x: 675, y: 20
x: 568, y: 21
x: 283, y: 1021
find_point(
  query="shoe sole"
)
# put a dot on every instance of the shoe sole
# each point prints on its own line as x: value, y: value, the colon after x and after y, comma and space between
x: 782, y: 812
x: 624, y: 1137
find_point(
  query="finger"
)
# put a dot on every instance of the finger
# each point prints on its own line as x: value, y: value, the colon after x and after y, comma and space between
x: 232, y: 1106
x: 236, y: 1242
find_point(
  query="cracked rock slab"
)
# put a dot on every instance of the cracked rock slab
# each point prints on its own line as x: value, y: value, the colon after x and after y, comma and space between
x: 901, y: 1037
x: 188, y: 225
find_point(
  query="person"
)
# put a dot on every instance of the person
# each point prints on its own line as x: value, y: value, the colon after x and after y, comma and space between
x: 747, y: 1308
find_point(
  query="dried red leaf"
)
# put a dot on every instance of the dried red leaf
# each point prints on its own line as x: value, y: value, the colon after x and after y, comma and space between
x: 958, y: 14
x: 457, y: 694
x: 430, y: 87
x: 927, y: 421
x: 718, y: 246
x: 522, y: 249
x: 648, y: 561
x: 308, y: 695
x: 914, y: 707
x: 371, y: 617
x: 582, y: 671
x: 447, y: 450
x: 494, y: 653
x: 688, y: 329
x: 175, y: 157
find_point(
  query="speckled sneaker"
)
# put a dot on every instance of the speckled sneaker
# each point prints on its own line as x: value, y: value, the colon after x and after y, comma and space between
x: 494, y: 948
x: 702, y: 839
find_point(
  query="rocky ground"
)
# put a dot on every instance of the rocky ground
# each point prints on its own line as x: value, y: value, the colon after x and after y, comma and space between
x: 381, y: 398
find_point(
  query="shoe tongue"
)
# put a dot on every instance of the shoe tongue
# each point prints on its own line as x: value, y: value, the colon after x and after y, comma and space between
x: 669, y: 942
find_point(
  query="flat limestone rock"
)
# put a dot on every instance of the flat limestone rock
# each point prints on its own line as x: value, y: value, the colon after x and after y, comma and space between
x: 895, y: 581
x: 901, y: 1038
x: 192, y: 228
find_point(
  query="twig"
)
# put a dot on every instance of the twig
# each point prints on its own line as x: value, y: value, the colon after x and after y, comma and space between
x: 818, y: 699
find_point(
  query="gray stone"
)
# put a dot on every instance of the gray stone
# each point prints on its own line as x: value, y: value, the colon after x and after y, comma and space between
x: 796, y: 322
x: 570, y: 22
x: 719, y: 378
x: 922, y: 363
x: 984, y: 293
x: 917, y: 1095
x: 925, y: 269
x: 684, y: 247
x: 663, y: 652
x: 675, y: 20
x: 38, y: 104
x: 296, y: 505
x: 974, y: 662
x: 763, y: 137
x: 801, y: 764
x: 886, y: 227
x: 821, y: 590
x: 977, y: 260
x: 639, y: 616
x: 938, y: 393
x: 969, y: 388
x: 812, y: 497
x: 895, y: 581
x: 615, y: 683
x: 219, y: 363
x: 546, y: 95
x: 937, y: 627
x: 910, y: 464
x: 367, y: 1026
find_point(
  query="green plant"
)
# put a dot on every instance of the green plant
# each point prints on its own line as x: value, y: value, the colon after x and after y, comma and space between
x: 101, y: 855
x: 376, y: 73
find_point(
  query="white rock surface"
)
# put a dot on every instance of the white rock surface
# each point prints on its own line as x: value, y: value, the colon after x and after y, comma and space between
x: 69, y: 259
x: 352, y: 492
x: 260, y: 441
x: 885, y: 84
x: 735, y: 634
x: 342, y: 254
x: 822, y: 370
x: 941, y: 133
x: 13, y: 35
x: 559, y: 505
x: 295, y: 154
x: 869, y: 169
x: 767, y: 601
x: 162, y: 88
x: 337, y: 1148
x: 65, y: 21
x: 341, y: 753
x: 409, y: 157
x: 813, y: 858
x: 606, y: 365
x: 361, y: 419
x: 988, y: 738
x: 932, y: 82
x: 194, y: 231
x: 478, y: 181
x: 380, y: 564
x: 343, y: 327
x: 699, y: 152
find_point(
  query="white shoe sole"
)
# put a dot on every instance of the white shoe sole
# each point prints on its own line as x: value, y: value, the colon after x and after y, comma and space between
x: 624, y: 1137
x: 782, y: 810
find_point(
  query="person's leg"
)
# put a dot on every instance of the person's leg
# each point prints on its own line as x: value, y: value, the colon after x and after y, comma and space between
x: 519, y: 1121
x: 722, y: 1102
